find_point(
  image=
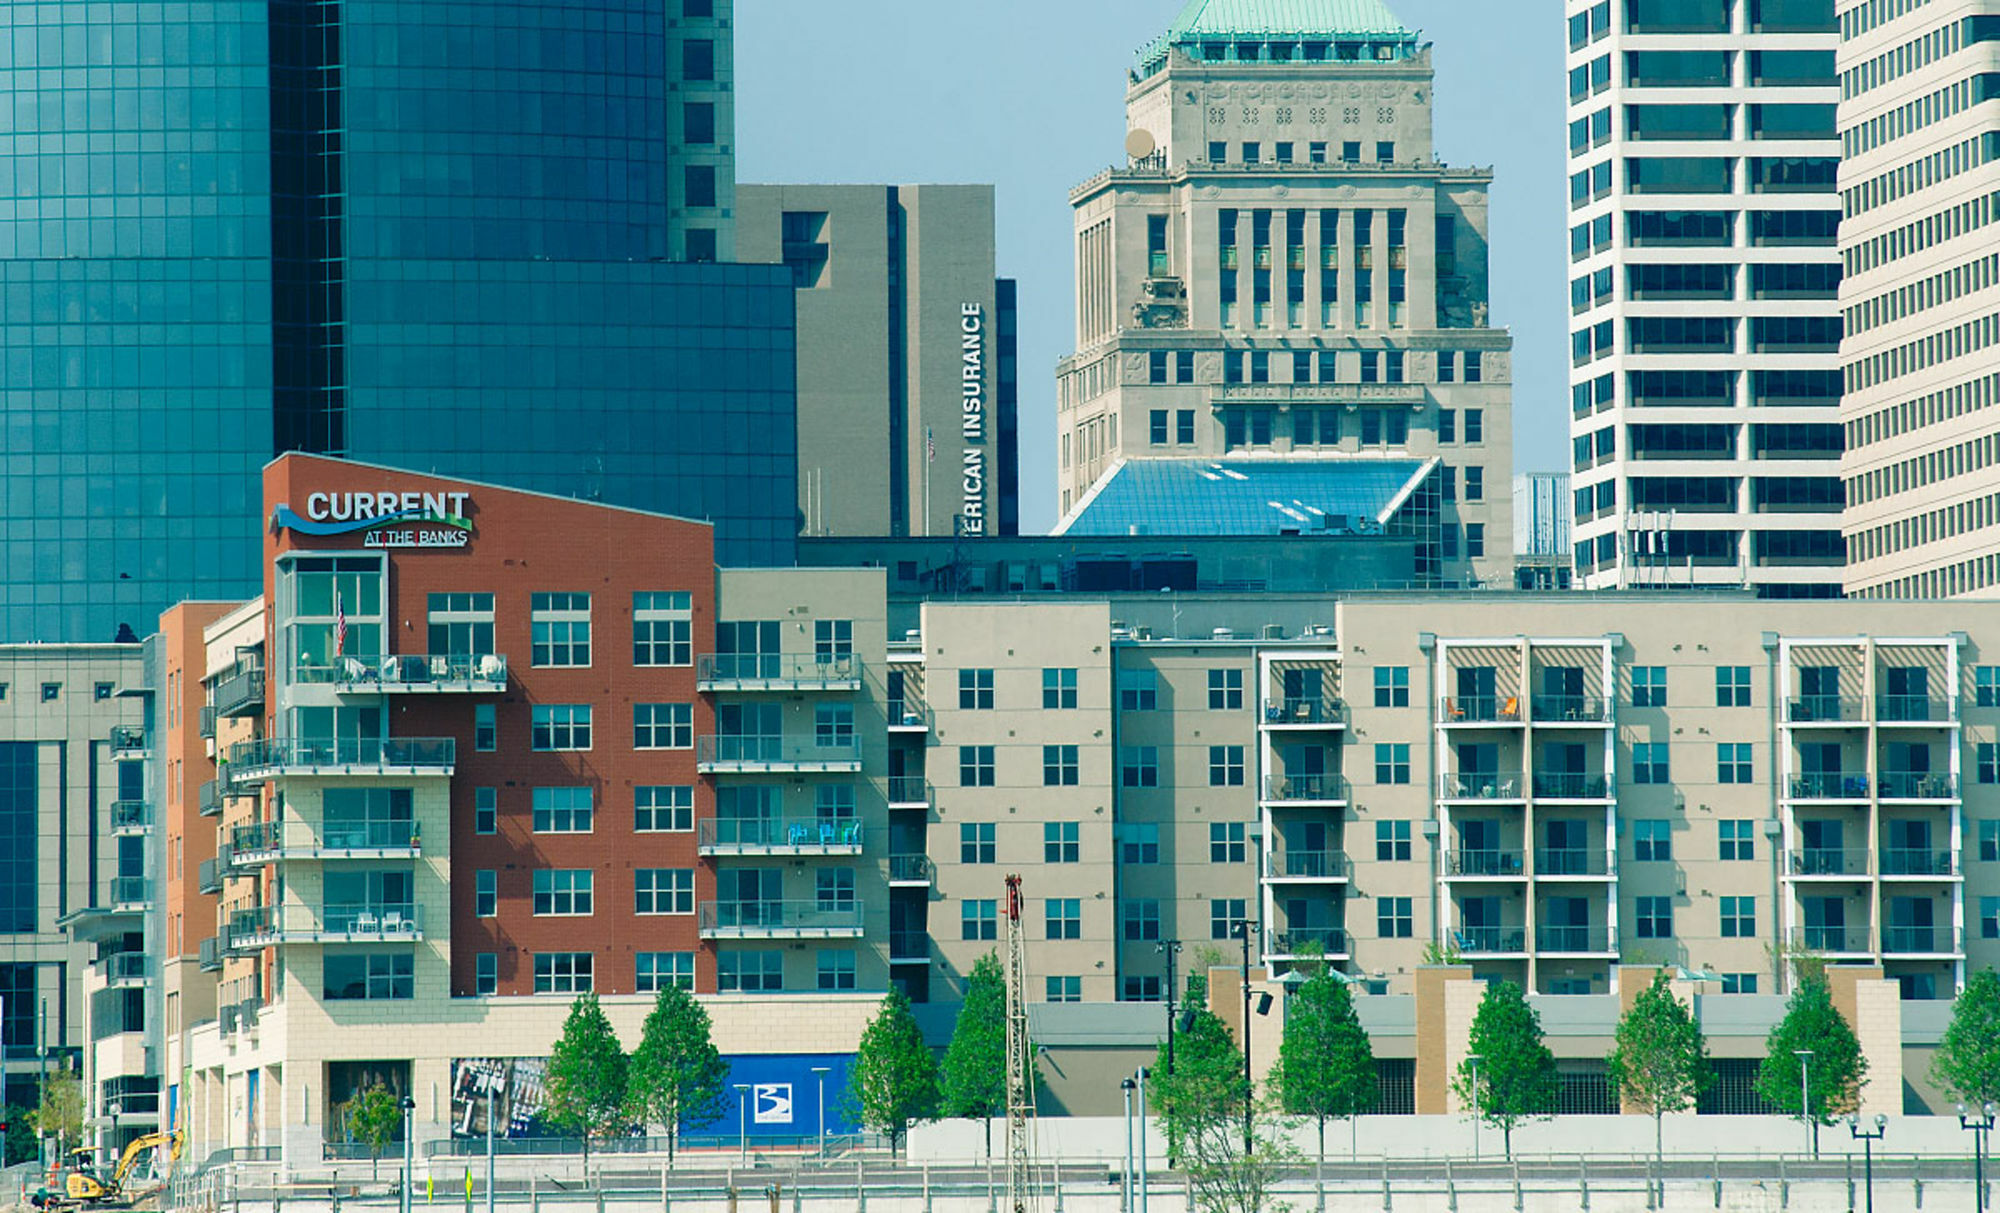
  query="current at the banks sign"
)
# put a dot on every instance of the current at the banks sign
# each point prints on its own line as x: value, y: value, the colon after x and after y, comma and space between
x: 972, y: 417
x: 384, y: 519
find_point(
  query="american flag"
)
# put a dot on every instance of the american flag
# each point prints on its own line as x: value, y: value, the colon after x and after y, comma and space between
x: 339, y: 624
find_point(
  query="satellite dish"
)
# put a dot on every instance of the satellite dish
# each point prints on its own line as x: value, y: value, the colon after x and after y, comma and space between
x: 1139, y: 144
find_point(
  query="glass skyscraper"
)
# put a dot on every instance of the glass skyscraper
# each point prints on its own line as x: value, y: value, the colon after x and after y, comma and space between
x: 479, y: 239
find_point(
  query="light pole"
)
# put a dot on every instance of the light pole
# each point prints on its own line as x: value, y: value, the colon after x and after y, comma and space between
x: 1979, y: 1126
x: 492, y: 1099
x: 1473, y: 1060
x: 1805, y: 1057
x: 408, y: 1107
x: 1171, y: 948
x: 113, y: 1110
x: 1142, y: 1139
x: 1125, y: 1187
x: 1868, y: 1141
x: 1242, y: 930
x: 819, y: 1076
x: 742, y: 1121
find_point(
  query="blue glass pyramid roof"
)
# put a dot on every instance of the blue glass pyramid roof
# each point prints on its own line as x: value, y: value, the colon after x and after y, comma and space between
x: 1197, y: 497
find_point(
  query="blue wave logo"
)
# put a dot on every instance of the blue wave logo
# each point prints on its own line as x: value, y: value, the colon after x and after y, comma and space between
x: 284, y: 518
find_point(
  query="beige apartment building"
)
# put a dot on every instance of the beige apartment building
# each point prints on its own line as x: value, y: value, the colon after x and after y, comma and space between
x: 1919, y: 182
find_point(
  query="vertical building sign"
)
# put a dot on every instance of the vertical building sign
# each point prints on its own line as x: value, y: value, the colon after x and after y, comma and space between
x: 972, y: 417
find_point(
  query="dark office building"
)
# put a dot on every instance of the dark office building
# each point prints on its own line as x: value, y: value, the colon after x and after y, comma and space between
x: 479, y: 239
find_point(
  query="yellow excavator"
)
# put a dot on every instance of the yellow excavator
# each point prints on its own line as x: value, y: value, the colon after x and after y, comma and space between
x: 83, y: 1185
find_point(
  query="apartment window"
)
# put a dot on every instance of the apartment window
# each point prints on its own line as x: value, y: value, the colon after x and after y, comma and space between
x: 1655, y: 917
x: 51, y: 691
x: 1058, y: 688
x: 662, y: 808
x: 1316, y: 152
x: 1475, y: 485
x: 663, y: 890
x: 1251, y: 152
x: 486, y: 973
x: 834, y: 969
x: 560, y: 726
x: 975, y: 690
x: 1475, y: 419
x: 1371, y: 366
x: 1184, y: 418
x: 1986, y: 686
x: 1649, y: 686
x: 562, y: 972
x: 662, y: 726
x: 1475, y: 538
x: 485, y: 893
x: 1739, y: 917
x: 978, y: 919
x: 1989, y: 841
x: 1156, y: 372
x: 1732, y: 762
x: 562, y: 810
x: 1392, y: 686
x: 1225, y: 766
x: 1652, y: 840
x: 749, y: 972
x: 1447, y: 424
x: 1062, y: 918
x: 662, y: 628
x: 1218, y: 151
x: 1139, y: 842
x: 1649, y: 762
x: 560, y: 629
x: 563, y: 892
x: 975, y: 842
x: 1139, y: 766
x: 1059, y: 766
x: 975, y: 766
x: 485, y: 728
x: 658, y: 970
x: 1393, y: 918
x: 1062, y: 989
x: 1392, y: 762
x: 1140, y: 989
x: 833, y: 888
x: 1350, y: 151
x: 1139, y: 919
x: 833, y: 725
x: 1060, y: 842
x: 1732, y: 686
x: 1225, y: 690
x: 1392, y: 841
x: 485, y: 810
x: 1739, y: 983
x: 1734, y: 839
x: 1987, y: 759
x: 1385, y: 153
x: 1223, y: 915
x: 1228, y: 842
x: 1138, y: 690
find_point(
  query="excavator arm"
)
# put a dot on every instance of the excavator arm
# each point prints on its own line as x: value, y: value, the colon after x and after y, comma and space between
x: 138, y: 1149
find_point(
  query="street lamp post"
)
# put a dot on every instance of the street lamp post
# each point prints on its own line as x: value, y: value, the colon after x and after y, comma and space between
x: 1868, y: 1140
x: 819, y: 1076
x: 492, y: 1099
x: 408, y: 1107
x: 1171, y: 948
x: 1142, y: 1139
x: 1125, y: 1186
x: 1243, y: 929
x: 113, y: 1110
x: 1979, y: 1126
x: 1805, y: 1057
x: 1473, y: 1059
x: 742, y: 1121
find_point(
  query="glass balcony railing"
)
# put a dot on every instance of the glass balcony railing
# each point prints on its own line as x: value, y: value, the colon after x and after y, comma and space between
x: 1571, y: 861
x: 1829, y: 861
x: 1823, y: 709
x: 261, y: 842
x: 909, y: 947
x: 910, y: 869
x: 1480, y: 709
x: 210, y: 954
x: 1921, y: 941
x: 780, y: 918
x: 1297, y: 864
x: 209, y: 798
x: 208, y: 876
x: 909, y: 790
x: 1476, y: 941
x: 782, y: 753
x: 1572, y: 939
x: 1317, y: 709
x: 1321, y: 787
x: 131, y: 816
x: 130, y: 891
x: 472, y: 672
x: 1905, y: 861
x: 1480, y: 785
x: 1571, y: 709
x: 909, y: 715
x: 1484, y: 863
x: 1568, y: 785
x: 740, y: 834
x: 1916, y: 785
x: 343, y: 922
x: 283, y: 756
x: 778, y: 671
x: 128, y: 740
x: 1831, y: 939
x: 124, y: 968
x: 1309, y: 941
x: 1829, y: 786
x: 1914, y: 709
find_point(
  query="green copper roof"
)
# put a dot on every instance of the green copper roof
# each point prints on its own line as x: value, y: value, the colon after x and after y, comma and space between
x: 1282, y: 18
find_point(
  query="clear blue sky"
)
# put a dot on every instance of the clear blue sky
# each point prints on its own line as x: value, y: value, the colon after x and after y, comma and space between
x: 1028, y: 95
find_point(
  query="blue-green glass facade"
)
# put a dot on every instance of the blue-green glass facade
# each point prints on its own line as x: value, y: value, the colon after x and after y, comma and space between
x: 416, y: 233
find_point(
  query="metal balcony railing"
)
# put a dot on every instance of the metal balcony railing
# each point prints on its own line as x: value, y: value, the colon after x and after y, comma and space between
x: 1831, y: 939
x: 778, y: 671
x: 127, y: 739
x: 1823, y: 709
x: 263, y: 841
x: 208, y: 876
x: 909, y: 947
x: 782, y: 753
x: 1916, y: 785
x: 1921, y: 940
x: 1915, y: 709
x: 779, y: 918
x: 240, y: 692
x: 909, y: 790
x: 1328, y: 786
x: 1571, y: 861
x: 337, y: 922
x: 1484, y: 863
x: 910, y: 869
x: 1571, y: 709
x: 1474, y: 941
x: 210, y: 954
x: 130, y: 816
x: 1307, y: 941
x: 1569, y: 785
x: 277, y: 756
x: 910, y: 714
x: 1905, y: 861
x: 472, y: 672
x: 737, y: 834
x: 1827, y: 861
x: 1476, y: 709
x: 1321, y: 709
x: 1288, y: 863
x: 210, y: 798
x: 1829, y: 786
x: 208, y: 722
x: 1480, y: 785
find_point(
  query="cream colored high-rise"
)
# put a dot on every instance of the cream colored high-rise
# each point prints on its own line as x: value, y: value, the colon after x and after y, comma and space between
x: 1920, y: 191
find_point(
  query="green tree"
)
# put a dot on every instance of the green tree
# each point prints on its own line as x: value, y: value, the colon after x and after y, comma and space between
x: 60, y: 1112
x: 1326, y: 1069
x: 1836, y: 1069
x: 584, y: 1086
x: 895, y: 1076
x: 375, y: 1118
x: 975, y: 1063
x: 1659, y: 1059
x: 1967, y: 1063
x: 1200, y: 1106
x: 18, y: 1145
x: 676, y: 1078
x: 1515, y: 1079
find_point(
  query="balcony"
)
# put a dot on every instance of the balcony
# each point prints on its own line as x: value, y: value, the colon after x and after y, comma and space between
x: 1920, y: 865
x: 780, y: 920
x: 1320, y: 789
x: 1828, y: 863
x: 909, y: 948
x: 128, y: 741
x: 1299, y: 942
x: 1829, y: 786
x: 1571, y: 709
x: 1560, y: 862
x: 740, y: 672
x: 124, y: 970
x: 211, y: 955
x: 240, y: 692
x: 1823, y: 709
x: 1915, y: 709
x: 1479, y: 785
x: 130, y: 817
x: 910, y: 716
x: 334, y: 923
x: 1305, y: 713
x: 208, y: 723
x: 240, y: 1015
x: 1575, y: 941
x: 130, y: 893
x: 1921, y: 941
x: 286, y: 757
x: 208, y: 877
x: 1480, y: 709
x: 1916, y: 785
x: 1496, y: 863
x: 210, y: 798
x: 910, y: 872
x: 1289, y: 865
x: 909, y: 792
x: 412, y: 673
x: 1835, y: 941
x: 269, y: 841
x: 1571, y: 785
x: 778, y: 836
x: 1491, y: 941
x: 732, y: 754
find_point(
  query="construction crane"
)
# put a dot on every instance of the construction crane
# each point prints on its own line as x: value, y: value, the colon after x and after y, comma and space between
x: 1020, y: 1062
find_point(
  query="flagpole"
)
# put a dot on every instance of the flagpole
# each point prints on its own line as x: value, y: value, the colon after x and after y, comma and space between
x: 930, y: 457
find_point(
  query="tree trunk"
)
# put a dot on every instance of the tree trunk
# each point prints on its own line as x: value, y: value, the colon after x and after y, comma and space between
x: 1507, y: 1138
x: 1659, y: 1141
x: 1319, y: 1164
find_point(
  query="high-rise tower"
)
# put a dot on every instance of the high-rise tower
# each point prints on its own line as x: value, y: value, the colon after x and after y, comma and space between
x: 1283, y: 273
